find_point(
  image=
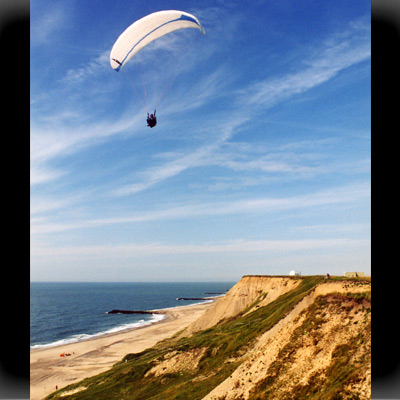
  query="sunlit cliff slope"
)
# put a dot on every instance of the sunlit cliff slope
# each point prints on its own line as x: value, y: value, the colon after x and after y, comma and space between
x: 268, y: 338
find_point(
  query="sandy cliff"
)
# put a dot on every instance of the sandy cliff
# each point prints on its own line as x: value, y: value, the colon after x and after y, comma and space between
x: 301, y: 350
x: 269, y: 337
x: 248, y: 290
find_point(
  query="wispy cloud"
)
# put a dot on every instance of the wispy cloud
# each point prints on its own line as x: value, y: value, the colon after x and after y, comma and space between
x: 264, y: 205
x: 94, y: 66
x: 337, y: 53
x: 195, y: 158
x: 40, y: 173
x: 61, y: 138
x: 205, y: 90
x: 235, y: 246
x: 363, y: 228
x: 51, y: 20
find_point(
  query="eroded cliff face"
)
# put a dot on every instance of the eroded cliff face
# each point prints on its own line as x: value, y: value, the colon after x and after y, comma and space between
x: 250, y: 290
x: 304, y: 350
x: 320, y: 350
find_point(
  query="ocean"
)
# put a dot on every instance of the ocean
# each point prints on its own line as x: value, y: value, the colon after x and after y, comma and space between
x: 63, y: 312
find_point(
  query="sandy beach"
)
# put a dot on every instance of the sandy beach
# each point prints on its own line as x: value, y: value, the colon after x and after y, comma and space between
x: 90, y: 357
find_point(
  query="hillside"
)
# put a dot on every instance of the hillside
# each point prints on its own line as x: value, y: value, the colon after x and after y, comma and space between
x: 268, y: 338
x: 249, y: 289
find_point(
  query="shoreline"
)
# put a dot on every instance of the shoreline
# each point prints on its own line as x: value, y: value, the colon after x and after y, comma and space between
x: 91, y: 356
x: 165, y: 312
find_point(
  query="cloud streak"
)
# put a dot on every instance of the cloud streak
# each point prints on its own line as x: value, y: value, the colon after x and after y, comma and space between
x: 51, y: 21
x: 337, y: 53
x: 198, y: 157
x: 336, y: 196
x: 132, y: 251
x: 95, y: 66
x: 58, y: 140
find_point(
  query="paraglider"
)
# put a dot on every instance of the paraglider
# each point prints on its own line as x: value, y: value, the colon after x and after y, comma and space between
x: 146, y: 30
x: 151, y: 120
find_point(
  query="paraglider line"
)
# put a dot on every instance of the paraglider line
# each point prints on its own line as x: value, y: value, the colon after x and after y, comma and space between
x: 182, y: 17
x: 142, y: 75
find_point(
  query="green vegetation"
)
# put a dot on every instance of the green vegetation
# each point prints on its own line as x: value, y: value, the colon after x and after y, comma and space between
x: 226, y: 346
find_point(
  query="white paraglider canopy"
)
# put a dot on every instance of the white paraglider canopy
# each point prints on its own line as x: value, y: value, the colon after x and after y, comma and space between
x: 147, y: 29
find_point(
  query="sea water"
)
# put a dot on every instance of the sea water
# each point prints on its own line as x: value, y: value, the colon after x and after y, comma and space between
x: 63, y: 313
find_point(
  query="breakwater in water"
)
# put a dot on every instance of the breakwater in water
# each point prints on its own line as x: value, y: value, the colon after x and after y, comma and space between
x: 135, y: 312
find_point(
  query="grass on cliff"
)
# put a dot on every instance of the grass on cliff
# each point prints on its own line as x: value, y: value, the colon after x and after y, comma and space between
x: 226, y: 344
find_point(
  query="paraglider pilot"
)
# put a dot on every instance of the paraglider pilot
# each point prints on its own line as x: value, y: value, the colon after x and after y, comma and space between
x: 151, y: 120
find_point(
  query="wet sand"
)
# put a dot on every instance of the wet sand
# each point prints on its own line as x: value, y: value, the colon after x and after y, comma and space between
x: 90, y: 357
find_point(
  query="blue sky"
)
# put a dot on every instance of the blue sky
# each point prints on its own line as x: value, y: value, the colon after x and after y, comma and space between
x: 260, y: 161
